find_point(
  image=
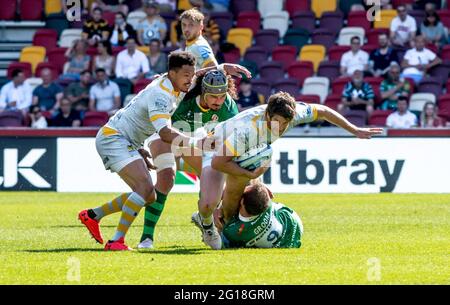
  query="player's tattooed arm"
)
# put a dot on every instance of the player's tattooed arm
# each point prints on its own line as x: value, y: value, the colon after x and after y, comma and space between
x: 328, y: 114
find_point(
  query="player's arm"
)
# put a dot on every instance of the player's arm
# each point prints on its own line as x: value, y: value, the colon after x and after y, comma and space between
x: 231, y: 69
x: 328, y: 114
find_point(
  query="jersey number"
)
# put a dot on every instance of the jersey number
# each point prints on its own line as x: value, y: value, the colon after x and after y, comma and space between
x: 273, y: 237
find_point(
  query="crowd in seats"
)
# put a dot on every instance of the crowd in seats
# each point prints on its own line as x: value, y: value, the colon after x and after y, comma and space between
x: 324, y: 51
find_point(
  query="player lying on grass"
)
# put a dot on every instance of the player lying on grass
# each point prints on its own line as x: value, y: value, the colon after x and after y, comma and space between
x: 264, y: 125
x: 208, y: 103
x: 260, y: 222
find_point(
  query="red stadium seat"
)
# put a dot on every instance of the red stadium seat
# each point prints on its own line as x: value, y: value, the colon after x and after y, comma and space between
x: 233, y: 56
x: 372, y: 35
x: 95, y: 118
x: 333, y: 100
x: 308, y: 98
x: 251, y: 20
x: 378, y: 117
x: 444, y: 106
x: 293, y: 6
x: 267, y: 39
x: 47, y: 65
x: 359, y: 19
x: 375, y: 83
x: 284, y: 54
x: 433, y: 48
x: 46, y: 38
x: 396, y: 3
x: 445, y: 17
x: 238, y: 6
x: 300, y: 70
x: 24, y: 66
x: 329, y: 69
x: 31, y: 9
x: 141, y: 84
x: 289, y: 85
x: 430, y: 85
x: 369, y: 48
x: 271, y: 71
x: 56, y: 57
x: 8, y: 11
x: 445, y: 52
x: 335, y: 52
x: 109, y: 17
x: 338, y: 85
x: 11, y: 119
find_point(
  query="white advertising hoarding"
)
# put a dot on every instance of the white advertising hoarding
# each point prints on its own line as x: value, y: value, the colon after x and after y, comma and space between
x: 299, y: 165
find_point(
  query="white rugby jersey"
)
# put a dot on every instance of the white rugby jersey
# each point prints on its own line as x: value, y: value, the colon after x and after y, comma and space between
x: 202, y: 52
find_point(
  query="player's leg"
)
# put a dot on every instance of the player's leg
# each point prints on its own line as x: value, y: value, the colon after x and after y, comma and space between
x: 232, y: 194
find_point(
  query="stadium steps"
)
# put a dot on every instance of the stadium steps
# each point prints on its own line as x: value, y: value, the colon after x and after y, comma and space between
x: 10, y: 52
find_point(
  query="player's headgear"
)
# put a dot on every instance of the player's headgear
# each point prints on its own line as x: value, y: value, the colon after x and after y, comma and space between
x: 214, y: 82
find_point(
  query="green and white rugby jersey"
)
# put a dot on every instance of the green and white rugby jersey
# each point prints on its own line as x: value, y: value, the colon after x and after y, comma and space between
x: 277, y: 227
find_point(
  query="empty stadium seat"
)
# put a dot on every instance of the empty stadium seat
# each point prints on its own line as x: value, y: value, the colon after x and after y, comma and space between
x: 378, y: 117
x: 52, y: 7
x: 304, y: 20
x: 8, y: 11
x: 232, y: 56
x: 313, y: 53
x: 356, y: 117
x: 323, y: 37
x: 335, y: 52
x: 346, y: 34
x: 444, y: 106
x: 46, y: 38
x: 267, y: 39
x: 95, y: 118
x: 316, y: 85
x: 56, y: 57
x: 184, y: 5
x: 68, y: 36
x: 397, y: 3
x: 135, y: 17
x: 418, y: 100
x: 33, y: 55
x: 250, y: 20
x: 296, y: 37
x: 141, y: 84
x: 385, y: 19
x: 25, y: 67
x: 301, y: 70
x: 430, y: 85
x: 262, y: 86
x: 294, y: 6
x: 372, y: 35
x: 256, y: 54
x: 359, y: 19
x: 238, y: 6
x: 241, y: 38
x: 320, y: 6
x: 278, y: 21
x: 271, y: 71
x: 284, y: 54
x: 333, y: 100
x: 338, y: 85
x: 11, y: 119
x: 332, y: 21
x: 441, y: 72
x: 224, y: 20
x: 308, y: 98
x: 445, y: 17
x: 269, y: 6
x: 329, y: 69
x: 31, y: 9
x: 289, y: 85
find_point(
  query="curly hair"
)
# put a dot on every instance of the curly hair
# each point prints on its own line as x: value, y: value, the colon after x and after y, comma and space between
x: 197, y: 90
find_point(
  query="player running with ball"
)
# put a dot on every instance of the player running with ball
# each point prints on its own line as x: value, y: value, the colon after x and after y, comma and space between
x: 264, y: 125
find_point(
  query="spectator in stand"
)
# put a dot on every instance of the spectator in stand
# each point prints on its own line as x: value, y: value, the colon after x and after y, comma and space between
x: 16, y: 94
x: 96, y: 28
x: 211, y: 30
x: 403, y: 28
x: 111, y: 5
x: 429, y: 117
x: 47, y: 95
x: 167, y: 6
x: 419, y: 60
x: 121, y: 30
x: 433, y: 30
x: 402, y: 118
x: 153, y: 26
x: 104, y: 59
x: 218, y: 6
x: 66, y: 116
x: 176, y: 33
x: 157, y: 59
x: 381, y: 59
x: 37, y: 119
x: 393, y: 87
x: 247, y: 97
x: 355, y: 59
x: 131, y: 63
x: 78, y: 93
x: 357, y: 95
x: 215, y: 46
x: 104, y: 95
x: 78, y: 60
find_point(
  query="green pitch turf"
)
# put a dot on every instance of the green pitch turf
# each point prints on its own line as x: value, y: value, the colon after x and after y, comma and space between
x: 349, y: 239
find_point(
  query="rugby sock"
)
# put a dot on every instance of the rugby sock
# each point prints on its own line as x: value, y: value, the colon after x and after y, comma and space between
x: 130, y: 210
x: 108, y: 208
x: 207, y: 221
x: 152, y: 214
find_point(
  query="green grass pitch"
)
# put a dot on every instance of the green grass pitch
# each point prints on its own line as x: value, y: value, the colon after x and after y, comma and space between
x: 349, y: 239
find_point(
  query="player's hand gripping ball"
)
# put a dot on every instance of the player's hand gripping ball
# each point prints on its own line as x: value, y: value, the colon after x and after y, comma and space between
x: 254, y: 157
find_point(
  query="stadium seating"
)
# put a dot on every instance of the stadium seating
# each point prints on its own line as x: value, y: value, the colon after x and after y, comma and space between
x: 224, y: 20
x: 430, y: 85
x: 58, y: 22
x: 269, y: 6
x: 329, y: 69
x: 95, y: 119
x: 356, y: 117
x: 304, y: 20
x: 256, y: 54
x: 444, y: 106
x: 11, y: 119
x: 320, y: 6
x: 335, y: 52
x: 441, y: 72
x: 345, y: 6
x: 251, y: 20
x: 143, y: 49
x: 141, y: 84
x: 241, y: 38
x: 418, y: 100
x: 232, y: 56
x: 238, y: 6
x: 418, y: 15
x: 308, y: 98
x: 135, y: 17
x: 332, y: 21
x: 378, y: 117
x: 262, y: 86
x: 445, y: 17
x: 296, y: 37
x: 445, y: 52
x: 109, y: 17
x: 397, y: 3
x: 294, y: 6
x: 267, y: 39
x: 333, y: 100
x: 47, y: 65
x: 313, y: 53
x: 359, y: 19
x: 284, y: 54
x: 316, y: 85
x: 346, y: 34
x: 301, y: 70
x: 31, y: 9
x: 184, y: 5
x: 375, y: 83
x: 338, y: 85
x: 52, y: 7
x: 278, y: 21
x: 46, y: 38
x: 385, y: 18
x: 8, y: 11
x: 33, y: 55
x: 323, y: 37
x: 272, y: 71
x: 68, y: 36
x: 25, y: 67
x: 289, y: 85
x: 251, y: 66
x: 33, y: 82
x: 117, y: 50
x: 369, y: 48
x: 56, y: 57
x: 372, y: 35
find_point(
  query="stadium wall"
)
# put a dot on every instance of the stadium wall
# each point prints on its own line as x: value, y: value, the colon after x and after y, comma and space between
x: 299, y: 165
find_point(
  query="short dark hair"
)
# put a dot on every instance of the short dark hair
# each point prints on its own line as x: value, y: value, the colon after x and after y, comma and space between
x: 107, y: 46
x: 355, y: 37
x: 255, y: 199
x: 281, y: 103
x: 121, y: 14
x: 97, y: 9
x: 32, y: 107
x: 403, y: 98
x: 155, y: 40
x: 129, y: 38
x: 432, y: 14
x: 178, y: 59
x: 99, y: 70
x: 16, y: 72
x: 85, y: 71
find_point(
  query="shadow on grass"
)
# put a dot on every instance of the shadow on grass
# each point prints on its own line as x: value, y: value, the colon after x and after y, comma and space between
x: 64, y: 250
x: 175, y: 251
x: 115, y: 226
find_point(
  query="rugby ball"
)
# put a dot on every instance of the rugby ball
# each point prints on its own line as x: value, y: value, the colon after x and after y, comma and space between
x: 254, y: 157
